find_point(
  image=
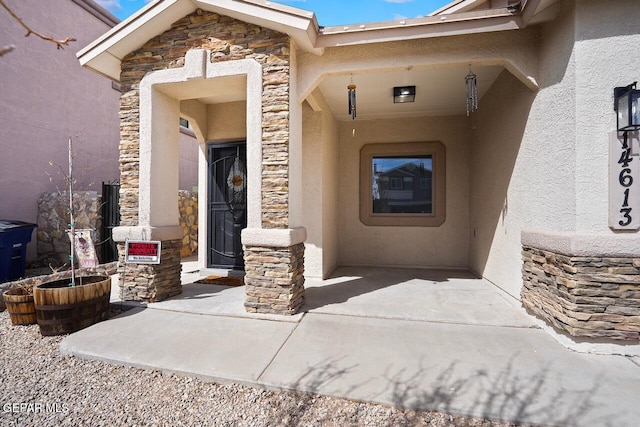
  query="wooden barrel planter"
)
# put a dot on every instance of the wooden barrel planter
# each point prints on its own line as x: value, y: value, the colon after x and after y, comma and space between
x: 63, y: 309
x: 19, y: 302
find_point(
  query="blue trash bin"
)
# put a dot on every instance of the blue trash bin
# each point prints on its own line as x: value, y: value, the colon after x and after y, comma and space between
x: 14, y: 236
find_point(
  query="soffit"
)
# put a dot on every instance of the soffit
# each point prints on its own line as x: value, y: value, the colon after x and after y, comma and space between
x: 439, y: 91
x: 208, y: 91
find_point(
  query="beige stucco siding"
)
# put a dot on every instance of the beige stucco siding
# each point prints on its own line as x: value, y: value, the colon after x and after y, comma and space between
x: 320, y: 190
x: 523, y: 160
x: 511, y: 183
x: 606, y: 56
x: 312, y: 187
x: 188, y: 168
x: 551, y: 145
x: 330, y: 203
x: 443, y: 246
x: 227, y: 121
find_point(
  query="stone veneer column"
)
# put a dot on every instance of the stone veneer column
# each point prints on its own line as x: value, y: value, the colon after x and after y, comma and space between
x: 227, y: 39
x: 151, y: 282
x: 587, y: 286
x: 274, y: 270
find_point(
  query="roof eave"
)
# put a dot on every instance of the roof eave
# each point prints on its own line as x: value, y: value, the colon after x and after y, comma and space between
x: 437, y: 26
x: 299, y: 24
x: 105, y: 54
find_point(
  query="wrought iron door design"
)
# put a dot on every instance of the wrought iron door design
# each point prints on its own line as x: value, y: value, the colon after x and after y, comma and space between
x: 227, y: 202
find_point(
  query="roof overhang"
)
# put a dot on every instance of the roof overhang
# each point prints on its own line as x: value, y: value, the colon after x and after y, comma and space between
x: 105, y: 54
x: 467, y: 21
x: 438, y: 26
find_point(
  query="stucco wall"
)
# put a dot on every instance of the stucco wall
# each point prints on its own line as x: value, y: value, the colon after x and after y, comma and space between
x: 188, y: 165
x: 227, y: 121
x: 312, y: 187
x: 330, y: 193
x: 506, y: 190
x: 523, y: 159
x: 443, y: 246
x: 551, y: 145
x: 46, y: 97
x: 606, y: 56
x: 320, y: 190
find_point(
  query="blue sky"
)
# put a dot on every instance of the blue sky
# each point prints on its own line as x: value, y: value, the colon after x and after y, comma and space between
x: 328, y: 12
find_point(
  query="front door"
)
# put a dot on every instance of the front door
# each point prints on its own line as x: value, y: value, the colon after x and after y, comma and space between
x: 227, y: 213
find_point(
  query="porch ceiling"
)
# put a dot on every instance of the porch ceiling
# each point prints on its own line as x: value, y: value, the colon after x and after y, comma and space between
x: 439, y: 91
x: 209, y: 91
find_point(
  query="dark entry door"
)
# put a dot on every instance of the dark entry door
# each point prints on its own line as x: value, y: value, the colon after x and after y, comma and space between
x: 227, y: 204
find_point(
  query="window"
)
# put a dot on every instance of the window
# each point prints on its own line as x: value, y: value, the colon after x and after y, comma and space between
x: 402, y: 184
x: 396, y: 183
x: 400, y: 196
x: 184, y: 123
x: 425, y: 183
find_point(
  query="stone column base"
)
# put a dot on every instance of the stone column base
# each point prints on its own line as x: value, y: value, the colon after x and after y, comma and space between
x: 274, y: 270
x: 151, y: 282
x: 580, y: 292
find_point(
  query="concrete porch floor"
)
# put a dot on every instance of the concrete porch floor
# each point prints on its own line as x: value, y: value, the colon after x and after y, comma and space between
x: 449, y: 296
x: 423, y: 339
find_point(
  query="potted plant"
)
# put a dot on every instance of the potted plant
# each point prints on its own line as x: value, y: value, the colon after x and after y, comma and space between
x: 67, y: 305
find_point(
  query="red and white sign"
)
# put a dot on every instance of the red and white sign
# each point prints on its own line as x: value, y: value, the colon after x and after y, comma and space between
x: 142, y: 252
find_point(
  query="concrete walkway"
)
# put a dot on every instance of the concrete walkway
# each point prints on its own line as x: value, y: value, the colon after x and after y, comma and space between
x: 412, y: 338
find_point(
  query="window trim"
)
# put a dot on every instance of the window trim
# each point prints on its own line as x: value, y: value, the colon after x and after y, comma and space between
x: 436, y: 150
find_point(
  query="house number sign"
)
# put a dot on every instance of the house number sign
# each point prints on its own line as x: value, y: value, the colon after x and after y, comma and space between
x: 624, y: 181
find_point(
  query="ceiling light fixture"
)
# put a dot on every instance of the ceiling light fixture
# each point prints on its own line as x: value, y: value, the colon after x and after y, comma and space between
x: 402, y: 94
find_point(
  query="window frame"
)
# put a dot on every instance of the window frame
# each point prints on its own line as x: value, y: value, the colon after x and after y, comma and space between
x: 437, y: 151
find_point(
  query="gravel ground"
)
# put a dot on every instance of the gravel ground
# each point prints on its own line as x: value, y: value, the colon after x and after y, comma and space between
x: 42, y: 387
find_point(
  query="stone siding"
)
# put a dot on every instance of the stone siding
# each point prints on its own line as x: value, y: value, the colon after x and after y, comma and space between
x: 227, y: 39
x: 53, y: 222
x: 188, y: 209
x: 274, y: 280
x: 273, y: 287
x: 595, y: 297
x: 151, y: 282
